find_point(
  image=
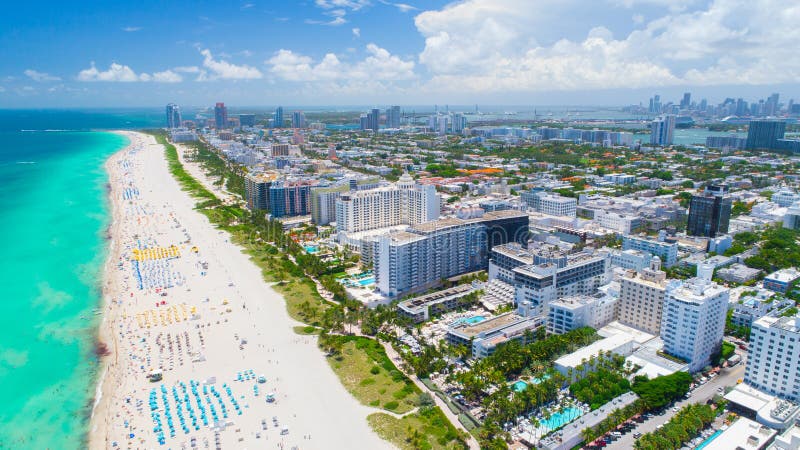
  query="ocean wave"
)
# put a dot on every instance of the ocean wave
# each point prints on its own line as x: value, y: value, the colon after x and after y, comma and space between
x: 45, y: 131
x: 26, y: 162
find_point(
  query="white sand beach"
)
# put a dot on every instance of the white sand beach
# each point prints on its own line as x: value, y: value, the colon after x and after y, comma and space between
x: 201, y: 312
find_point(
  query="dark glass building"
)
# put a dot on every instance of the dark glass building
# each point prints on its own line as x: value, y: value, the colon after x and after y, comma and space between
x: 765, y: 133
x: 221, y: 116
x: 709, y: 213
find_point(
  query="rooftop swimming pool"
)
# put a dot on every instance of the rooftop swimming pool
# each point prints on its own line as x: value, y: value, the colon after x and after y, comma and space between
x: 559, y: 419
x: 469, y: 320
x: 708, y: 441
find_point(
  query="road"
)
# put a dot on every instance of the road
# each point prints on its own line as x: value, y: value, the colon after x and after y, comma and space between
x: 726, y: 377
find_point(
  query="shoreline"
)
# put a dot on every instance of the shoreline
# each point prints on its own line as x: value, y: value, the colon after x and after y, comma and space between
x: 238, y: 303
x: 103, y: 390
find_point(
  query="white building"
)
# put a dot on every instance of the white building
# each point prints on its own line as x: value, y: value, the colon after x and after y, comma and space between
x: 693, y: 319
x: 418, y: 259
x: 642, y: 298
x: 404, y: 203
x: 791, y: 219
x: 785, y: 197
x: 551, y: 204
x: 622, y: 223
x: 773, y: 362
x: 667, y: 251
x: 569, y: 313
x: 628, y: 259
x: 744, y: 434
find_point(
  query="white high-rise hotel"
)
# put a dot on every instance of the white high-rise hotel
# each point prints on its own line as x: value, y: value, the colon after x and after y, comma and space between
x: 773, y: 362
x: 693, y: 319
x: 404, y: 203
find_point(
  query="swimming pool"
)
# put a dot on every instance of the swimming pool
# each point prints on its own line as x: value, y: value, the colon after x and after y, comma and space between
x: 366, y: 281
x: 708, y: 441
x: 311, y: 249
x: 520, y: 385
x: 559, y: 419
x: 469, y: 320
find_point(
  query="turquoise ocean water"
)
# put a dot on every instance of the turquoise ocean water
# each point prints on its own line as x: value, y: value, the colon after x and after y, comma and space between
x: 53, y: 221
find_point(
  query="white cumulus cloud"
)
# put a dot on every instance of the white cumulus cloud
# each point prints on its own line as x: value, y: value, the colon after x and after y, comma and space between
x: 40, y: 76
x: 115, y: 72
x: 220, y: 69
x: 124, y: 74
x: 379, y: 64
x: 504, y: 45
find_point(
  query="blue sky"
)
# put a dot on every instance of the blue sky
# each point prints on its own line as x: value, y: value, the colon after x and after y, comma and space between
x: 359, y: 52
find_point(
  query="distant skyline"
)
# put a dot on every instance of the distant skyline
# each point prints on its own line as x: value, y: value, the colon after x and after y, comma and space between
x: 380, y: 52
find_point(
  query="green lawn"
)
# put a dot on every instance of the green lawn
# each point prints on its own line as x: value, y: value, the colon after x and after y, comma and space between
x: 372, y: 378
x: 427, y: 429
x: 307, y: 330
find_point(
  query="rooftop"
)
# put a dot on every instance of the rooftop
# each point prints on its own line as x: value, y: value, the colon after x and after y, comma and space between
x: 784, y: 323
x: 470, y: 331
x: 784, y: 275
x: 434, y: 297
x: 611, y: 343
x: 744, y: 434
x: 696, y: 290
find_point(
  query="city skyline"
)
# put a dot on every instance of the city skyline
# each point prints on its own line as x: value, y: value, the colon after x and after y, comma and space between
x: 378, y: 52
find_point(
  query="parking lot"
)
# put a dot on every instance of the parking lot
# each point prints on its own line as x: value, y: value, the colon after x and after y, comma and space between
x: 701, y: 394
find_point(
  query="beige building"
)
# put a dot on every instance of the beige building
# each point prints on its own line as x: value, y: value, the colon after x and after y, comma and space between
x: 642, y: 298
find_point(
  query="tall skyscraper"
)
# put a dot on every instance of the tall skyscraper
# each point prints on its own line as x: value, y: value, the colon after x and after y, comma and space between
x: 686, y: 102
x: 655, y: 104
x: 693, y: 320
x: 298, y: 119
x: 277, y: 120
x: 393, y: 117
x: 374, y: 119
x: 771, y: 107
x: 221, y: 116
x: 459, y: 123
x: 662, y: 130
x: 709, y: 213
x: 764, y: 134
x: 174, y: 116
x: 256, y: 188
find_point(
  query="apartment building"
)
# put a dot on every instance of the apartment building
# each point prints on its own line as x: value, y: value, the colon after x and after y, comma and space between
x: 693, y: 319
x: 569, y: 313
x: 418, y: 259
x: 773, y: 361
x: 404, y: 203
x: 641, y: 298
x: 666, y: 251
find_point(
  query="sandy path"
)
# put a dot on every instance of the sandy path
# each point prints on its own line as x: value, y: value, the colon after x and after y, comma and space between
x: 232, y: 304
